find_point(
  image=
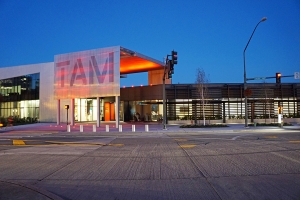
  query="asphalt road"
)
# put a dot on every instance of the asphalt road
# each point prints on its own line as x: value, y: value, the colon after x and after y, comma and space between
x: 152, y: 165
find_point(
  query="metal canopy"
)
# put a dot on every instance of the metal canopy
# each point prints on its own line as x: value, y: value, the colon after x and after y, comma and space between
x: 133, y: 62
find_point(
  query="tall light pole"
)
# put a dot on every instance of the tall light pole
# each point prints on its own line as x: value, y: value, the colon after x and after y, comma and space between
x: 245, y: 77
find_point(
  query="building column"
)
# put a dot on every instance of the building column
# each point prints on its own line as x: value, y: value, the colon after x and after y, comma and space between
x: 117, y: 111
x: 79, y: 110
x: 58, y: 112
x: 98, y: 111
x: 72, y: 115
x: 252, y: 111
x: 224, y: 116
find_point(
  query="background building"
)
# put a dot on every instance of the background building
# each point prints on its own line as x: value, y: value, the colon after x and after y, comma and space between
x: 89, y: 82
x: 225, y: 102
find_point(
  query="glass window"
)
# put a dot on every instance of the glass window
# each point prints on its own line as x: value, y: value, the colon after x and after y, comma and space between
x: 19, y: 96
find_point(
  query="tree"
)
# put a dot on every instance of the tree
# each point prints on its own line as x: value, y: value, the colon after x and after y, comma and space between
x: 201, y: 84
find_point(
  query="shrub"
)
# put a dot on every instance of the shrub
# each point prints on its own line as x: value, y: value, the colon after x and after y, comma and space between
x: 271, y: 124
x: 202, y: 126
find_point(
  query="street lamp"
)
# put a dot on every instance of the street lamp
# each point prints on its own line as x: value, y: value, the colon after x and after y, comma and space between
x: 245, y: 77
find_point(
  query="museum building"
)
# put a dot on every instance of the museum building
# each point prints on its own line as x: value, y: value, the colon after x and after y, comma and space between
x: 88, y: 83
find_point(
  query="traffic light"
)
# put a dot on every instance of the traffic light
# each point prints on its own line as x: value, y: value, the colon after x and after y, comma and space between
x: 170, y: 70
x: 174, y: 57
x: 173, y: 62
x: 170, y: 64
x: 169, y: 75
x: 278, y: 77
x: 171, y: 67
x: 67, y: 107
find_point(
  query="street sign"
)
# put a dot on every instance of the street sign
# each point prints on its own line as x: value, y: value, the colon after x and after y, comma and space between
x: 259, y: 78
x: 296, y: 75
x: 256, y: 78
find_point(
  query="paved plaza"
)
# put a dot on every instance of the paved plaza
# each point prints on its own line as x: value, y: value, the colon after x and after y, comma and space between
x: 45, y: 161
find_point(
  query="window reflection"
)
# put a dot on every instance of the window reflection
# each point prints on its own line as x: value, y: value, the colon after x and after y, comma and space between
x: 19, y: 96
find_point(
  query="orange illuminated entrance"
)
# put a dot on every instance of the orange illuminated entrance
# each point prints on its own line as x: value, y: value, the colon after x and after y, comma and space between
x: 109, y: 111
x: 133, y: 62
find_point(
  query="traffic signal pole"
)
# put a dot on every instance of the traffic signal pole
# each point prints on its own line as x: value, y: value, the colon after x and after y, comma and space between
x: 168, y: 70
x: 278, y: 77
x: 164, y: 99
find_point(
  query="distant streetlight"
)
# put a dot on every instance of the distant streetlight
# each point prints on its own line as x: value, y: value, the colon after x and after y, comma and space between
x: 245, y: 77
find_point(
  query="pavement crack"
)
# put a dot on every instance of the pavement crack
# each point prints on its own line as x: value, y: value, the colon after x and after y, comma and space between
x: 194, y: 164
x: 61, y: 167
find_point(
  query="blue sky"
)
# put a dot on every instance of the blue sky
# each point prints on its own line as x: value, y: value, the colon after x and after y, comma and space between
x: 206, y: 34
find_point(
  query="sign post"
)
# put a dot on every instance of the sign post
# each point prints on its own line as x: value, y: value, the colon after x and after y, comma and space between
x: 67, y: 108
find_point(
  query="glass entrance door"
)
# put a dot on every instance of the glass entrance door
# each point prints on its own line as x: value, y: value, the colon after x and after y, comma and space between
x: 85, y: 110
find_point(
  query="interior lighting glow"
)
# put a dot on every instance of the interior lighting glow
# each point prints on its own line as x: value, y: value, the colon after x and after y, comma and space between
x: 136, y: 64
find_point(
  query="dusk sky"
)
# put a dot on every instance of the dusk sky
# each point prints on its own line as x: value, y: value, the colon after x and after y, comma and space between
x: 206, y: 34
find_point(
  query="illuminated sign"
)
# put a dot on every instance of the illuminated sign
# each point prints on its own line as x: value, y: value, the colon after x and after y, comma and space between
x: 92, y: 73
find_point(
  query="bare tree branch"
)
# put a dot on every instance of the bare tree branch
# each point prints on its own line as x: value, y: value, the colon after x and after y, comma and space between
x: 201, y: 82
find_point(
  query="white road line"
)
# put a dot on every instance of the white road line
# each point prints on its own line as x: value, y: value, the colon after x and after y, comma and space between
x: 288, y: 158
x: 236, y: 137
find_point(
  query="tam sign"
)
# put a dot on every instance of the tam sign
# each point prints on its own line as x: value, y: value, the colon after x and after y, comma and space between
x: 93, y: 73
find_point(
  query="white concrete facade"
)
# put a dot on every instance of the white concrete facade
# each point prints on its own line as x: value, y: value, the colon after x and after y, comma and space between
x: 49, y: 110
x: 86, y: 74
x: 86, y: 78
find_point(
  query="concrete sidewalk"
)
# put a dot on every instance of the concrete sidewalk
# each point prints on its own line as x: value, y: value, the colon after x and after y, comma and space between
x: 131, y: 127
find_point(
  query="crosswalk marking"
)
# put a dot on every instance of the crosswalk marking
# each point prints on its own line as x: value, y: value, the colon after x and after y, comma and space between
x: 18, y: 142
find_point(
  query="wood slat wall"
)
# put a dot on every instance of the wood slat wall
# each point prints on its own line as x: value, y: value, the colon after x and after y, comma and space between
x: 220, y: 97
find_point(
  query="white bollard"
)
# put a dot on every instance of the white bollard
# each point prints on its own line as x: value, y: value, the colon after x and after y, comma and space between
x: 94, y: 128
x: 120, y: 128
x: 147, y: 128
x: 133, y: 128
x: 107, y: 128
x: 68, y: 128
x: 279, y: 118
x: 81, y: 128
